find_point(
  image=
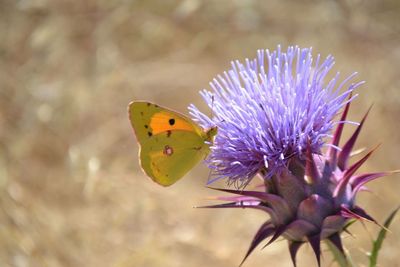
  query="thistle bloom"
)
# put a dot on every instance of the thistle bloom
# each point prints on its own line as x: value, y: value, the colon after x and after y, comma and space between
x: 267, y: 115
x: 276, y: 121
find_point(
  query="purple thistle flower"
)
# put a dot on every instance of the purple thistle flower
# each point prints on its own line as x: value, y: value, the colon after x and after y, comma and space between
x: 275, y: 121
x: 267, y: 115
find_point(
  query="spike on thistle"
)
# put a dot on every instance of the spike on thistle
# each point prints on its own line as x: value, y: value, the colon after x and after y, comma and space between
x: 275, y: 115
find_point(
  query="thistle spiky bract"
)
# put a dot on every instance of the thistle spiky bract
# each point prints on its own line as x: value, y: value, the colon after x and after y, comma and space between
x: 276, y: 121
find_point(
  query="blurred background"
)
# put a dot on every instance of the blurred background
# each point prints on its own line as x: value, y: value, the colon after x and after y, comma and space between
x: 71, y: 189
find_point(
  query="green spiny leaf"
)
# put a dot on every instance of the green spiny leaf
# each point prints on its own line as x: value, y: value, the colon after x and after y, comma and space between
x: 377, y: 244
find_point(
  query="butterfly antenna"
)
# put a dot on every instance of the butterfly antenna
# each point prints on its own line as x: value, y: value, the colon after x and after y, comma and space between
x: 212, y: 106
x: 212, y: 111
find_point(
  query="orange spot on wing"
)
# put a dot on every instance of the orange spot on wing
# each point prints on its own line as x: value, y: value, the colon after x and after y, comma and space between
x: 160, y: 123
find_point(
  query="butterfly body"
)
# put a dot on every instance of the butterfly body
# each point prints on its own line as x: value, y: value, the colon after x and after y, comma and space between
x: 170, y: 143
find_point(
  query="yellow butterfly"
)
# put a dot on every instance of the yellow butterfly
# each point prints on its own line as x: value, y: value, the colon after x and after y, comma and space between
x: 171, y: 144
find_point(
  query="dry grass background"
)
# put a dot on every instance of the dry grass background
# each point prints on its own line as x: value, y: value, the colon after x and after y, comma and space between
x: 71, y: 190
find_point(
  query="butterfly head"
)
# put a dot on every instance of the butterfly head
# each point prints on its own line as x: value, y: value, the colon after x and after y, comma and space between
x: 211, y: 133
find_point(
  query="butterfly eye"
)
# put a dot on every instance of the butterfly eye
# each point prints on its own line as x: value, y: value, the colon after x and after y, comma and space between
x: 171, y: 122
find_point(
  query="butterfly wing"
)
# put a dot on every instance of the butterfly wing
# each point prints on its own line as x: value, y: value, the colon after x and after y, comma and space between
x: 149, y: 119
x: 168, y: 158
x: 171, y: 144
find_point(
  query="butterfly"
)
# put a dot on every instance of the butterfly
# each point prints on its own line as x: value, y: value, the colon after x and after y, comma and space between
x: 171, y: 144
